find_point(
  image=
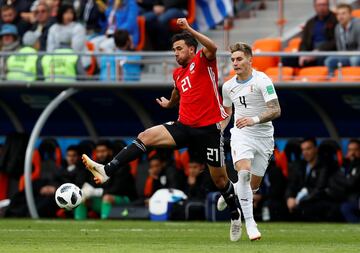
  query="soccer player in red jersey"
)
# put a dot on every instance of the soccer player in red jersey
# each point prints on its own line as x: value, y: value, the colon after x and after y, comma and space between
x: 200, y: 112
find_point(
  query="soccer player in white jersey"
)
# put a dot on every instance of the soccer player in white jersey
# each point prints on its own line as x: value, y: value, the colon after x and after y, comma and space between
x: 252, y: 143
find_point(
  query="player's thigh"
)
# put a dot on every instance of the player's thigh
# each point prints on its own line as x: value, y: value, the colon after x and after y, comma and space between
x: 157, y: 136
x: 265, y: 149
x: 179, y: 133
x: 211, y: 143
x: 242, y: 152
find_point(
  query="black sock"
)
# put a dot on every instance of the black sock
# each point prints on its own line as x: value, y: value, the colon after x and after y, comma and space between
x: 230, y: 198
x: 129, y: 153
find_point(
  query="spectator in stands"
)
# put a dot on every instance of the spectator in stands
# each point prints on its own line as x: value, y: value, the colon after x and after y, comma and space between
x: 198, y: 182
x: 347, y: 37
x: 92, y: 13
x: 117, y: 67
x: 270, y: 201
x: 119, y: 190
x: 62, y: 68
x: 157, y: 21
x: 196, y: 187
x: 19, y: 5
x: 120, y: 14
x: 145, y: 6
x: 66, y: 26
x: 42, y: 23
x: 9, y: 38
x: 351, y: 208
x: 54, y: 6
x: 24, y: 67
x: 306, y: 183
x: 9, y: 15
x: 318, y: 35
x: 161, y: 175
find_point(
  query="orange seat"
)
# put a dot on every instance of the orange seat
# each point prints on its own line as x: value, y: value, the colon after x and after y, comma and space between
x: 356, y: 13
x: 286, y: 73
x: 313, y: 74
x: 230, y: 75
x: 191, y: 9
x: 293, y: 45
x: 92, y: 68
x: 348, y: 74
x: 142, y: 32
x: 36, y: 162
x: 262, y: 63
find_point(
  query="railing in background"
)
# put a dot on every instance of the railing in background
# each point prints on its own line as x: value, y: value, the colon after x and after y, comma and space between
x: 157, y: 68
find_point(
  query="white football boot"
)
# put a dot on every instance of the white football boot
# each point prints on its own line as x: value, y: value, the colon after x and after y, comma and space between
x: 96, y: 169
x: 221, y: 204
x: 235, y: 229
x: 252, y: 231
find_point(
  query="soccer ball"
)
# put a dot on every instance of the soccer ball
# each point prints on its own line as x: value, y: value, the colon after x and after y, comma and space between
x: 68, y: 196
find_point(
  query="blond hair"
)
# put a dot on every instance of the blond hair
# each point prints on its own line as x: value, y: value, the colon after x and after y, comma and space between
x: 242, y: 47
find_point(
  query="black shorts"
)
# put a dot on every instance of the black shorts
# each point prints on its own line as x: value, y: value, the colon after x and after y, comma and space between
x: 207, y: 140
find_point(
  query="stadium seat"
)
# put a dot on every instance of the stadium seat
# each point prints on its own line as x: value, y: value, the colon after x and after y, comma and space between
x: 348, y: 74
x: 262, y: 63
x: 48, y: 148
x: 230, y: 75
x: 142, y: 32
x: 356, y: 13
x: 93, y: 64
x: 36, y: 162
x: 312, y: 74
x: 293, y: 45
x: 191, y: 8
x: 286, y: 73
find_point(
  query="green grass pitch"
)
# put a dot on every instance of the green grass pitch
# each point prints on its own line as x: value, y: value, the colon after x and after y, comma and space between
x: 145, y: 236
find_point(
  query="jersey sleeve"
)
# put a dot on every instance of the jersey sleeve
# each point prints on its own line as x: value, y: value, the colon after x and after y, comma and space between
x: 267, y: 88
x: 226, y: 98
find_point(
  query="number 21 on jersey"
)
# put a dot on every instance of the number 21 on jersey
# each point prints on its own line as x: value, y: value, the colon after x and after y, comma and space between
x: 185, y: 84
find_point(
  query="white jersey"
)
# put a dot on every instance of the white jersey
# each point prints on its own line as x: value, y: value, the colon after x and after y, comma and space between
x: 249, y: 98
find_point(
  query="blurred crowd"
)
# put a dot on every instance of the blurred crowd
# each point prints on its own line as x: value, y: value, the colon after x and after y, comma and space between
x: 307, y: 181
x: 115, y: 26
x: 81, y: 26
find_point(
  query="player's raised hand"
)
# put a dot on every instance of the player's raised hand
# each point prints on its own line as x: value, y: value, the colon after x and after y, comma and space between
x: 163, y: 102
x: 245, y: 121
x: 182, y: 23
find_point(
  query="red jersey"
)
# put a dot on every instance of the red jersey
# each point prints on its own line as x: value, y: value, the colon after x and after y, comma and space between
x: 197, y: 83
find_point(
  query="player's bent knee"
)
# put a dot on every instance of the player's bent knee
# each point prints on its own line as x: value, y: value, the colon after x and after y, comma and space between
x: 244, y: 176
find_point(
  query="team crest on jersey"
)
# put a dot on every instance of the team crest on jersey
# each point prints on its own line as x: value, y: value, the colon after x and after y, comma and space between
x: 192, y: 66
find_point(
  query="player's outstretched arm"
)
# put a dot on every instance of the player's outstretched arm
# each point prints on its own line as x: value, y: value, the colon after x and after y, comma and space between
x: 174, y: 100
x: 210, y: 47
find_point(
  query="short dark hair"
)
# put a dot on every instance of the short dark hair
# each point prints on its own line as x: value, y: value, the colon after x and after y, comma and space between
x: 356, y: 141
x: 309, y: 139
x: 190, y: 40
x: 344, y: 6
x: 73, y: 148
x: 242, y: 47
x: 105, y: 143
x: 64, y: 8
x: 121, y: 37
x: 8, y: 7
